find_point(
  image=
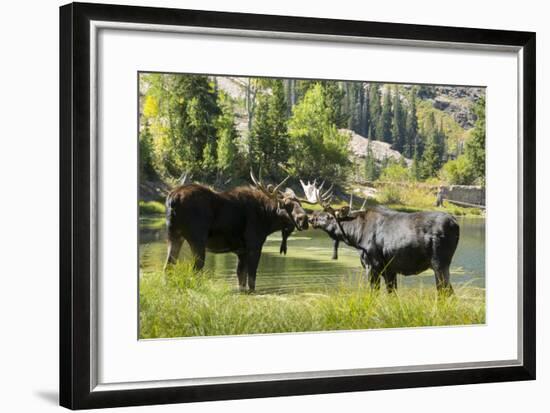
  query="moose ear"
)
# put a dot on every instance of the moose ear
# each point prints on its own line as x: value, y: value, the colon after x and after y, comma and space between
x: 342, y: 212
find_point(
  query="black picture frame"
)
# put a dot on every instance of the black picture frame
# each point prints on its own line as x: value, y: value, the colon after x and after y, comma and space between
x: 75, y: 219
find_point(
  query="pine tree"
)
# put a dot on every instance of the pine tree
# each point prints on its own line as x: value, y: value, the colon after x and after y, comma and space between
x: 334, y: 97
x: 398, y: 123
x: 441, y: 142
x: 268, y: 138
x: 432, y: 156
x: 371, y: 171
x: 278, y: 127
x: 260, y: 139
x: 411, y: 141
x: 385, y: 120
x: 416, y: 168
x: 475, y: 147
x: 374, y: 110
x: 186, y: 109
x: 226, y: 136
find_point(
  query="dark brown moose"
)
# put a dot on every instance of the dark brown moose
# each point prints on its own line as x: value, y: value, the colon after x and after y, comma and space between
x: 391, y: 242
x: 238, y: 221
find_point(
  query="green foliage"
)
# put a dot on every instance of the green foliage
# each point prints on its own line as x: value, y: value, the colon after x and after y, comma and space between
x: 454, y: 133
x: 475, y: 147
x: 268, y: 139
x: 182, y: 303
x: 151, y: 208
x: 384, y: 128
x: 395, y: 172
x: 411, y: 146
x: 146, y: 168
x: 398, y: 130
x: 226, y: 136
x: 458, y: 171
x: 374, y: 111
x: 371, y: 169
x: 416, y: 168
x: 355, y: 105
x: 181, y: 111
x: 319, y: 149
x: 434, y: 152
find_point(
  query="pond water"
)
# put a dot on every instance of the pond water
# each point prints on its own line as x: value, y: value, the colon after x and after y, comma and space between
x: 308, y: 265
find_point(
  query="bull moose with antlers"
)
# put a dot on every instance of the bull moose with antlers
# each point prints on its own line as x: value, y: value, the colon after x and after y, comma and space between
x: 391, y: 242
x: 238, y: 221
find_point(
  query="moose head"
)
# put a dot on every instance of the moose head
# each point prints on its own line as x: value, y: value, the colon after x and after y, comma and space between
x: 288, y: 204
x: 329, y: 218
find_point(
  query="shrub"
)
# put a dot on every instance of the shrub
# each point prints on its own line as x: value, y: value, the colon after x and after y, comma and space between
x: 458, y: 171
x: 395, y: 172
x: 151, y: 208
x: 391, y: 194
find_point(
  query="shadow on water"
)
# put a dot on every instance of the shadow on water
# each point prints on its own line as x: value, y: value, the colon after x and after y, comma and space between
x: 308, y: 266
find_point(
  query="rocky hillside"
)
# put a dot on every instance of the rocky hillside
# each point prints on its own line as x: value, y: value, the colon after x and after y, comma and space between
x: 380, y: 150
x: 457, y: 102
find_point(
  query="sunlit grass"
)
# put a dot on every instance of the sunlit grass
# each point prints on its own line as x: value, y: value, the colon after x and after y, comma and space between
x: 182, y: 303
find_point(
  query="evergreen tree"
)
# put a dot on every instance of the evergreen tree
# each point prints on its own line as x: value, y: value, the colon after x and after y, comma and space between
x: 260, y: 142
x: 184, y: 122
x: 385, y: 120
x: 278, y: 127
x: 475, y: 147
x: 334, y: 97
x: 371, y: 170
x: 374, y: 110
x: 146, y: 168
x: 441, y: 142
x: 226, y: 134
x: 433, y: 152
x: 411, y: 136
x: 398, y: 123
x: 268, y: 139
x: 416, y: 167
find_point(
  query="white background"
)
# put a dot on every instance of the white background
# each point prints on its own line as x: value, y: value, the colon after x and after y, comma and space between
x: 29, y: 207
x: 124, y: 359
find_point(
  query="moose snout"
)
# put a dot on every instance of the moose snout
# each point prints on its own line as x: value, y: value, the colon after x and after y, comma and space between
x: 302, y: 221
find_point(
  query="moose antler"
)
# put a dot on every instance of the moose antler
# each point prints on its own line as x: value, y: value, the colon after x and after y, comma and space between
x: 351, y: 204
x: 269, y: 190
x: 185, y: 177
x: 313, y: 193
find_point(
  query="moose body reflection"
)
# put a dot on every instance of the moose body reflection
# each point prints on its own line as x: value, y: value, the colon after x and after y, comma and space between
x: 238, y: 220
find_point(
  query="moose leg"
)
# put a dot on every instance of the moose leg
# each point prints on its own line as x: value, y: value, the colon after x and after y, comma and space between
x: 174, y: 247
x: 442, y: 280
x: 242, y: 271
x: 198, y: 251
x: 374, y: 279
x: 391, y: 282
x: 335, y: 250
x: 253, y: 259
x: 284, y: 235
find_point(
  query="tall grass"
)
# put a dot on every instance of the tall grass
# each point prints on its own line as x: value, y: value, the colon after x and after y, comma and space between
x: 182, y: 303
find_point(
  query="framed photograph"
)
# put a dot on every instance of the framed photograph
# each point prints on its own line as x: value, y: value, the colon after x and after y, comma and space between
x: 258, y: 206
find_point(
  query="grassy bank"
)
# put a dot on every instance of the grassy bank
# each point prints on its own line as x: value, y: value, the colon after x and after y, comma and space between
x: 416, y: 198
x: 182, y: 303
